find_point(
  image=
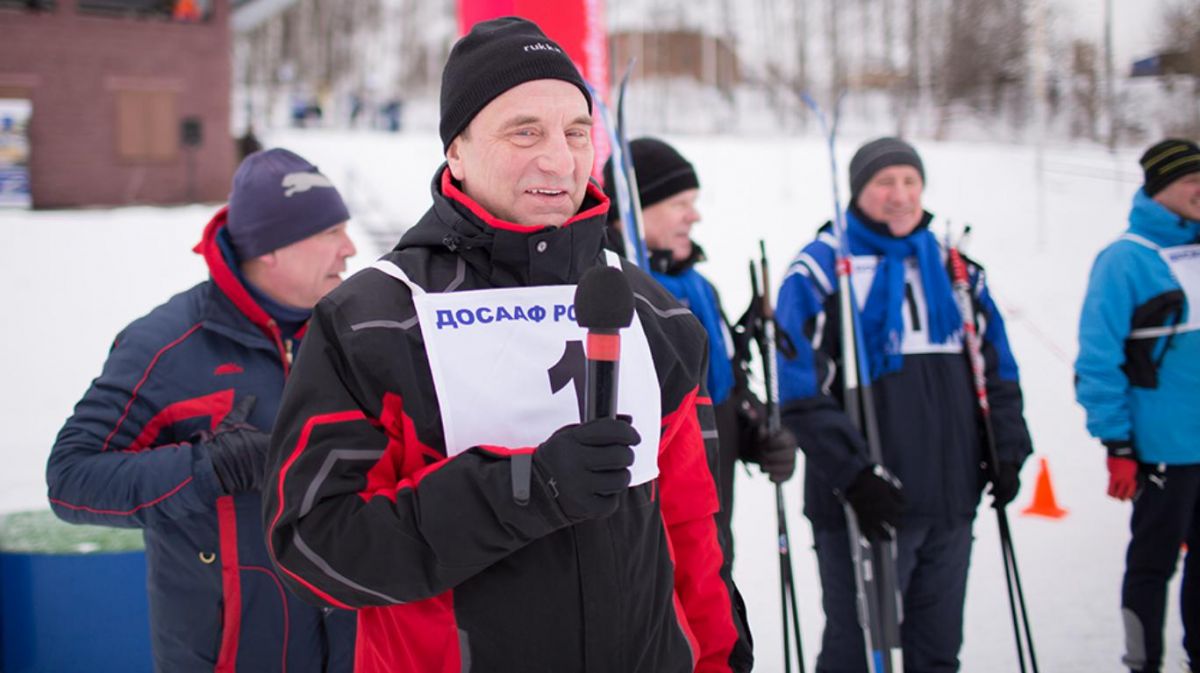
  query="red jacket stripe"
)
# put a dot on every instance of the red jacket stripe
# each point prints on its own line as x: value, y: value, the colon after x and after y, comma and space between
x: 128, y: 512
x: 145, y: 376
x: 231, y: 585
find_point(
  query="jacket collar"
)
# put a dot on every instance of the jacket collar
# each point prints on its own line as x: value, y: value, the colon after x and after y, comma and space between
x: 229, y: 282
x: 1152, y: 220
x: 662, y: 261
x: 506, y: 253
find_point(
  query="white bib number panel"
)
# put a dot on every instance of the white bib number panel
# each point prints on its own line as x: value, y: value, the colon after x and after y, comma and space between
x: 916, y: 314
x: 1184, y: 261
x: 509, y: 369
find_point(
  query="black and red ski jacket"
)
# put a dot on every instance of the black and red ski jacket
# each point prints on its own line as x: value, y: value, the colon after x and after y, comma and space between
x: 365, y: 510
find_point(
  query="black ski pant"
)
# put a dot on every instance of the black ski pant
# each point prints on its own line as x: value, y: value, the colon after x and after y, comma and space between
x: 932, y: 561
x: 1166, y: 514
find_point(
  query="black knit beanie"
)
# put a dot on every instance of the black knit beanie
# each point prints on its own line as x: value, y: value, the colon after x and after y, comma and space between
x: 494, y: 57
x: 1168, y: 161
x: 878, y: 155
x: 662, y: 172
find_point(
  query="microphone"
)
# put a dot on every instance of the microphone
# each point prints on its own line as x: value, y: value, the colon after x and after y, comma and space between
x: 603, y: 306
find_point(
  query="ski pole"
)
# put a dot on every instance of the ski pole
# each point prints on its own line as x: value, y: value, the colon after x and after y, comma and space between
x: 628, y: 205
x: 875, y: 576
x: 765, y: 338
x: 974, y: 350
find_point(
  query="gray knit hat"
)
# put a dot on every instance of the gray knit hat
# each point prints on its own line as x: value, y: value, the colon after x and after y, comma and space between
x: 878, y: 155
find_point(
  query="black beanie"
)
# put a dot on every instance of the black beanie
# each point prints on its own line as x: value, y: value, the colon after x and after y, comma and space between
x: 279, y: 198
x: 878, y: 155
x: 494, y: 57
x: 662, y: 172
x: 1168, y: 161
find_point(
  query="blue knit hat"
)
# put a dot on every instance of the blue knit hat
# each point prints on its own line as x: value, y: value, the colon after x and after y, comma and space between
x: 279, y: 198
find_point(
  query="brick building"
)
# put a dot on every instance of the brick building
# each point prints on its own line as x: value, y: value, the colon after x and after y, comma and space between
x: 130, y: 98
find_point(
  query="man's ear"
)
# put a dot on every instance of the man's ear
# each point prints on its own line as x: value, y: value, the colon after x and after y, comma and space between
x: 454, y: 158
x: 268, y: 260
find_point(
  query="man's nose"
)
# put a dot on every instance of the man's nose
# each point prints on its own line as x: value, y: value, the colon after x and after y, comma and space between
x: 348, y: 249
x: 556, y: 157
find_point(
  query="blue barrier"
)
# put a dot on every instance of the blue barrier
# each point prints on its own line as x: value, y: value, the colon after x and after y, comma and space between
x: 69, y: 604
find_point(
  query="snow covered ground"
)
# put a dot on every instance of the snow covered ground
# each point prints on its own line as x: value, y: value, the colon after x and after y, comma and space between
x: 72, y: 279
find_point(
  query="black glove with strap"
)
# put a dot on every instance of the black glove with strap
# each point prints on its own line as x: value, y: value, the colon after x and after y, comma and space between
x: 585, y: 466
x: 877, y: 501
x: 238, y: 450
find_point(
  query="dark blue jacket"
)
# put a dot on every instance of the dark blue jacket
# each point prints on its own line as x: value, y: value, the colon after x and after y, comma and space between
x: 129, y: 457
x: 926, y: 410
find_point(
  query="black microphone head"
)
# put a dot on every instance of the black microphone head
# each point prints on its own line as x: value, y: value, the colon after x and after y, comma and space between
x: 603, y: 299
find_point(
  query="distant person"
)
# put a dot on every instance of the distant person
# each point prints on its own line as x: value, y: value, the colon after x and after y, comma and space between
x: 927, y: 489
x: 668, y: 189
x: 248, y: 143
x: 1138, y: 378
x: 172, y: 436
x: 432, y: 466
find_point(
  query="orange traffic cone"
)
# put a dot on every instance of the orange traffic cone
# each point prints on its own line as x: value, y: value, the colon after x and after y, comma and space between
x: 1044, y: 503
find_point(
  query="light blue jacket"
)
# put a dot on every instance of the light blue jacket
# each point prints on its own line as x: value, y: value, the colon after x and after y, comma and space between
x: 1143, y: 390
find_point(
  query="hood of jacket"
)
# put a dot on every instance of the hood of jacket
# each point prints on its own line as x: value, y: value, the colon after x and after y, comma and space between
x: 1152, y: 220
x: 228, y: 281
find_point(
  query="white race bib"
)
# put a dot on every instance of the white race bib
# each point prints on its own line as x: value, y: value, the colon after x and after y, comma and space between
x: 915, y: 311
x: 1184, y: 261
x: 509, y: 368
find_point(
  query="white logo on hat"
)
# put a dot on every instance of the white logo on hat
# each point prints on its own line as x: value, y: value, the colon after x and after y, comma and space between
x: 542, y: 46
x: 294, y: 183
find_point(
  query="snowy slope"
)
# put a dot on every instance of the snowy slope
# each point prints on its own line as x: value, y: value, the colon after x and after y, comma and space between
x: 74, y: 278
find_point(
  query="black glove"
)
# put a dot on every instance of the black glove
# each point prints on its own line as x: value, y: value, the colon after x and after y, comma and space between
x: 773, y: 452
x: 586, y: 466
x: 1005, y: 484
x: 238, y: 450
x: 877, y: 500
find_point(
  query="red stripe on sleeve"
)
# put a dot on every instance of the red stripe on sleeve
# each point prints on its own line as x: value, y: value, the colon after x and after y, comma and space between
x: 216, y: 406
x: 305, y: 435
x: 145, y: 375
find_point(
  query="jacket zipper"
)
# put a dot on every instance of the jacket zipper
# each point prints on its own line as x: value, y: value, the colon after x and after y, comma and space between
x: 283, y: 347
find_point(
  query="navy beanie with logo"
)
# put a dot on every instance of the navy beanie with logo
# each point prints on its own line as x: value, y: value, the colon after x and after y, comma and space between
x: 279, y: 198
x: 494, y: 57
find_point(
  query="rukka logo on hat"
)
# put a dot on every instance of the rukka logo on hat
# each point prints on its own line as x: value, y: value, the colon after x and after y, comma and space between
x: 542, y: 46
x: 294, y: 183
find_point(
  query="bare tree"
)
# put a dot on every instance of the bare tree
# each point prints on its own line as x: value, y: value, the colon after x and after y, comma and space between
x: 1181, y: 31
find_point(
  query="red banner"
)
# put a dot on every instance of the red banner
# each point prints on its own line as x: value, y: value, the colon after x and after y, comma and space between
x: 577, y: 26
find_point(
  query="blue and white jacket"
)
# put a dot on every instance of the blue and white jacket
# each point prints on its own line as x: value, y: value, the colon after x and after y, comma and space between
x: 926, y: 408
x: 1138, y: 370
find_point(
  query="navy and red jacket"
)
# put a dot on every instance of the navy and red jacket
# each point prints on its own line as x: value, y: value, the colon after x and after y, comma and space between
x: 365, y: 510
x: 130, y: 457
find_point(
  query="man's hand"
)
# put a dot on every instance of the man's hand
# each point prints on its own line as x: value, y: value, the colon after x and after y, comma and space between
x: 1122, y: 469
x: 238, y: 450
x: 586, y: 466
x: 1005, y: 484
x: 877, y: 501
